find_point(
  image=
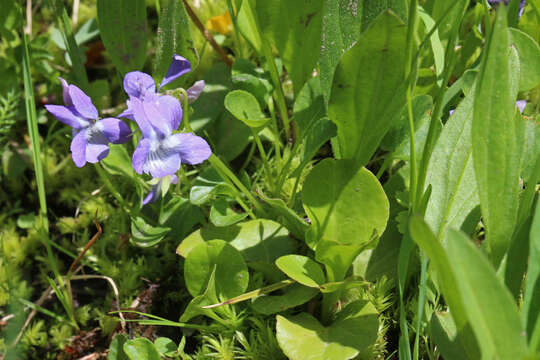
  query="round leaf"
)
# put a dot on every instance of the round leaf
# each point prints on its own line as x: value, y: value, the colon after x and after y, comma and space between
x: 301, y: 269
x: 345, y: 202
x: 245, y: 107
x: 141, y: 349
x: 231, y: 271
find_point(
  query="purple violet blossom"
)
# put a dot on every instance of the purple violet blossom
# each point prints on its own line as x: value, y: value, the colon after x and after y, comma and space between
x: 160, y: 152
x: 139, y: 85
x: 521, y: 105
x: 91, y: 137
x: 156, y: 189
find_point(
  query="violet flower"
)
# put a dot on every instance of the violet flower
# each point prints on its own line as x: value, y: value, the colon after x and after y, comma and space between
x: 160, y: 152
x: 91, y: 137
x: 139, y: 85
x: 521, y: 105
x: 157, y: 188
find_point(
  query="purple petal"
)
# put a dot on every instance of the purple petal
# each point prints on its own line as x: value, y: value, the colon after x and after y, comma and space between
x: 153, y: 195
x: 139, y: 84
x: 174, y: 179
x: 128, y: 113
x: 114, y: 130
x: 141, y: 119
x: 195, y: 91
x: 140, y: 154
x: 160, y: 119
x: 82, y: 103
x: 163, y: 158
x: 65, y: 92
x: 170, y: 108
x: 97, y: 145
x: 78, y: 148
x: 521, y: 105
x: 179, y: 66
x: 193, y: 149
x: 68, y: 116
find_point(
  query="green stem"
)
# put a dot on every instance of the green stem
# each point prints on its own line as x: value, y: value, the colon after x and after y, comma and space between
x: 422, y: 287
x: 233, y: 14
x: 185, y: 111
x: 277, y: 143
x: 105, y: 177
x: 229, y: 176
x: 266, y: 167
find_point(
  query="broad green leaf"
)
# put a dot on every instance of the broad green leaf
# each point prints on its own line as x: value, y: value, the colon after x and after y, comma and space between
x: 303, y: 337
x: 301, y: 269
x: 423, y: 236
x: 245, y: 107
x: 397, y: 139
x: 450, y: 174
x: 146, y: 235
x: 373, y: 8
x: 368, y: 88
x: 122, y: 26
x: 246, y: 76
x: 341, y: 27
x: 443, y: 332
x: 222, y: 214
x: 179, y: 208
x: 173, y: 37
x: 292, y: 296
x: 345, y: 202
x: 491, y: 309
x: 208, y: 184
x: 309, y: 106
x: 316, y: 136
x: 531, y: 147
x: 230, y: 136
x: 209, y: 297
x: 118, y: 162
x: 294, y: 27
x: 337, y: 257
x: 286, y: 216
x: 258, y: 240
x: 116, y: 348
x: 529, y: 59
x: 436, y: 45
x: 165, y: 346
x: 531, y: 299
x: 497, y: 138
x: 247, y: 24
x: 141, y: 349
x: 232, y: 276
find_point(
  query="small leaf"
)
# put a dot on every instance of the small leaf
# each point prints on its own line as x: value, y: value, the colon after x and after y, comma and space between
x: 122, y: 25
x: 303, y: 337
x: 118, y: 162
x: 116, y: 348
x: 222, y: 214
x: 245, y: 107
x: 141, y: 349
x: 529, y: 59
x: 165, y: 346
x: 146, y: 235
x: 231, y: 271
x: 531, y: 299
x: 301, y: 269
x: 293, y: 296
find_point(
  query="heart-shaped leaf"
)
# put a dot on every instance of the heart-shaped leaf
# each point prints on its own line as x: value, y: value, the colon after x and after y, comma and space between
x: 245, y: 107
x: 141, y: 349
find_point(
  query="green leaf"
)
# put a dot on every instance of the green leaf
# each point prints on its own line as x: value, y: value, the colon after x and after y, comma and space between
x: 303, y: 337
x: 423, y: 236
x: 231, y: 271
x: 302, y: 269
x: 180, y: 208
x: 443, y: 332
x: 337, y: 257
x: 246, y: 76
x: 122, y: 25
x: 247, y: 24
x: 368, y: 88
x: 529, y: 59
x: 292, y: 296
x: 173, y: 37
x: 294, y: 27
x: 491, y: 309
x: 341, y: 27
x: 373, y: 8
x: 450, y: 173
x: 208, y: 184
x: 118, y: 162
x: 222, y: 214
x: 497, y: 138
x: 286, y: 216
x: 309, y: 106
x: 165, y: 346
x: 141, y: 349
x: 116, y: 348
x: 531, y: 298
x: 26, y: 221
x: 146, y: 235
x: 345, y: 202
x: 245, y: 107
